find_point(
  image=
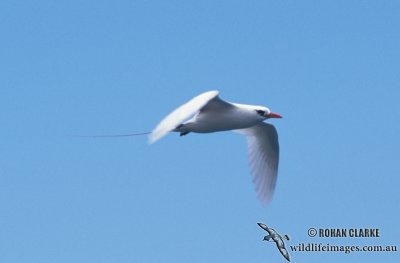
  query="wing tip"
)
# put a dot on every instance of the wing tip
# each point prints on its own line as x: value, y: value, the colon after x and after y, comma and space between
x: 265, y: 198
x: 209, y: 94
x: 215, y: 92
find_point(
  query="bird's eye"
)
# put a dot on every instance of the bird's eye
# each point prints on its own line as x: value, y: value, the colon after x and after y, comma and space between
x: 260, y: 112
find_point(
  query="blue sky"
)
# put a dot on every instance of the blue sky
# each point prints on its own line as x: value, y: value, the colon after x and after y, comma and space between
x: 331, y: 68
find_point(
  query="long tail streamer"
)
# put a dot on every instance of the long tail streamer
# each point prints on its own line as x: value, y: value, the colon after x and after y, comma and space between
x: 113, y: 135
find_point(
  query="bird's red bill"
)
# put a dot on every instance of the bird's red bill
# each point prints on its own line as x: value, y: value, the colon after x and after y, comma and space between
x: 273, y: 115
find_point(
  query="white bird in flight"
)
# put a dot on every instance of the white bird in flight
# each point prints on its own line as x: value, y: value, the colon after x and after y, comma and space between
x: 208, y: 113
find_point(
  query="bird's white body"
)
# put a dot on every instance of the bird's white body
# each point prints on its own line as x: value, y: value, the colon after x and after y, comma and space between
x: 234, y: 117
x: 207, y: 113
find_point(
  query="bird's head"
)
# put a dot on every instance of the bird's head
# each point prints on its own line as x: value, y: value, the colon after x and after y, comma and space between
x: 267, y: 238
x: 266, y: 113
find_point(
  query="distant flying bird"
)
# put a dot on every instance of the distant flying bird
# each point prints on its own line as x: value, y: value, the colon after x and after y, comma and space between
x: 208, y: 113
x: 278, y: 239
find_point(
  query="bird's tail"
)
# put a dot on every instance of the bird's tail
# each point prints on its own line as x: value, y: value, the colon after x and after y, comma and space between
x: 112, y: 135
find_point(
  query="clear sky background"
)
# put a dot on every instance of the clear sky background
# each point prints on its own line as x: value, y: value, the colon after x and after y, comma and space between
x: 331, y: 68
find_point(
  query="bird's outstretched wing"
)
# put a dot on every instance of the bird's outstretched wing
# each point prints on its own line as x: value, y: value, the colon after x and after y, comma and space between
x: 270, y: 231
x: 263, y: 226
x: 263, y: 147
x: 181, y: 114
x: 284, y: 253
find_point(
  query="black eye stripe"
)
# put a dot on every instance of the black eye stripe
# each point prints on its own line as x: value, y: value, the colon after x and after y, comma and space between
x: 260, y: 112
